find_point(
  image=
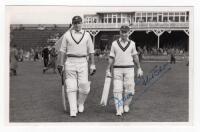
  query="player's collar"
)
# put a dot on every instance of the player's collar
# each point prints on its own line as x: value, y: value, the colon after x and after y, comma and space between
x: 123, y: 48
x: 83, y: 34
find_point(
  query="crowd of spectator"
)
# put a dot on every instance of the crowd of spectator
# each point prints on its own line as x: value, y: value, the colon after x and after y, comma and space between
x: 33, y: 54
x: 161, y: 51
x: 150, y: 51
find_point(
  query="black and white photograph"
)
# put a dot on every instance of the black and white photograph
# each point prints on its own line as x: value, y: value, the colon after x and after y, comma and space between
x: 100, y: 64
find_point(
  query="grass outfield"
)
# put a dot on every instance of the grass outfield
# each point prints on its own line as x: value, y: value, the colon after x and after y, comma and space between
x: 36, y: 97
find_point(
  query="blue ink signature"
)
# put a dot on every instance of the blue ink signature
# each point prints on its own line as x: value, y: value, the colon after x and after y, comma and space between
x: 153, y: 76
x: 120, y: 102
x: 147, y: 81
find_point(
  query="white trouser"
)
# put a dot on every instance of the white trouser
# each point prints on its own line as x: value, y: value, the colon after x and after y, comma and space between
x: 76, y: 72
x: 124, y: 77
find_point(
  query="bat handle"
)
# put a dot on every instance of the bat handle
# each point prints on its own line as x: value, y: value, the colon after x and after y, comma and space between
x: 62, y: 78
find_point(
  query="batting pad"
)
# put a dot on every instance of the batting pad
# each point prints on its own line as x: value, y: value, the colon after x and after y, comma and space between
x: 85, y: 87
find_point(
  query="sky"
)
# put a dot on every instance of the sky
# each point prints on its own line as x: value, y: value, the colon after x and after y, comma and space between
x: 63, y: 14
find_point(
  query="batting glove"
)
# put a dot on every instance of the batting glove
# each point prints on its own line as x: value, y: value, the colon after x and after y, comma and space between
x: 60, y: 69
x: 139, y: 72
x: 92, y: 69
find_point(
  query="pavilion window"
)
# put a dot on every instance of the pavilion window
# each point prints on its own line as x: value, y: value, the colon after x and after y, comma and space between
x: 176, y: 18
x: 138, y: 19
x: 102, y: 20
x: 165, y: 19
x: 176, y: 13
x: 118, y: 15
x: 109, y: 20
x: 182, y: 13
x: 149, y: 19
x: 182, y: 18
x: 95, y: 20
x: 133, y: 19
x: 123, y: 20
x: 154, y: 19
x: 118, y: 20
x: 171, y: 13
x: 114, y: 19
x: 187, y: 18
x: 143, y: 19
x: 171, y: 18
x: 160, y: 18
x: 106, y: 20
x: 89, y: 21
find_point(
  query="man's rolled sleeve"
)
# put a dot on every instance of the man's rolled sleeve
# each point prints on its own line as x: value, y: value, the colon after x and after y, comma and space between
x: 112, y: 52
x: 134, y: 51
x: 90, y: 45
x: 63, y: 47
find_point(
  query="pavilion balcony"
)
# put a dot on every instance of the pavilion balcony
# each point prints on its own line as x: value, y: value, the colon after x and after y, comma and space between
x: 138, y: 26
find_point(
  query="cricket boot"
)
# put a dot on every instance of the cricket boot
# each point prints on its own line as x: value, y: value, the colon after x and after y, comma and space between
x: 72, y: 98
x: 81, y: 100
x: 84, y: 89
x: 118, y: 103
x: 127, y: 100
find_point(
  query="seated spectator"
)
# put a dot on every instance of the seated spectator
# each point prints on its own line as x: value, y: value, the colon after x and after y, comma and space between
x: 20, y: 54
x: 154, y: 51
x: 161, y: 51
x: 145, y: 50
x: 181, y: 52
x: 164, y: 52
x: 177, y: 51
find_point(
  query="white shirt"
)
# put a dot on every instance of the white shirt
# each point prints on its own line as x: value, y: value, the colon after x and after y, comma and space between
x: 123, y: 52
x: 77, y: 43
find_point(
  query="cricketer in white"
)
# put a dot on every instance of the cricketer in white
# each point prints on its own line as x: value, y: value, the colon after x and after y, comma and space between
x: 123, y: 53
x: 75, y: 47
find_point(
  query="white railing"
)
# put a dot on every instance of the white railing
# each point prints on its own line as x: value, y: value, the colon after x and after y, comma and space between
x: 139, y: 25
x: 102, y: 25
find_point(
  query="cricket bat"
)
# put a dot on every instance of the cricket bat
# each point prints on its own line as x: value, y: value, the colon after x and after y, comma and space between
x: 106, y: 89
x: 63, y: 93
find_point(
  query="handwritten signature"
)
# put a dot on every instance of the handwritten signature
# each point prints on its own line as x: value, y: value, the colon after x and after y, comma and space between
x: 155, y: 74
x: 120, y: 102
x: 152, y: 77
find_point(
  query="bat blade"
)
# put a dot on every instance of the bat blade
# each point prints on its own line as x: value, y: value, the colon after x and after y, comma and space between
x: 63, y: 93
x: 64, y: 98
x: 106, y: 89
